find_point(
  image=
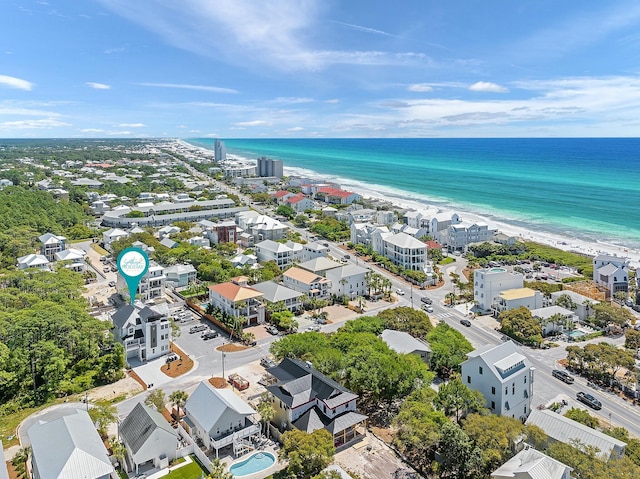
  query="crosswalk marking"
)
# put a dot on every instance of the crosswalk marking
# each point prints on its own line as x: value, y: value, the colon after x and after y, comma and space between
x: 444, y: 315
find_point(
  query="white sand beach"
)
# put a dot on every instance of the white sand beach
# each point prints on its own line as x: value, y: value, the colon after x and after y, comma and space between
x: 562, y: 242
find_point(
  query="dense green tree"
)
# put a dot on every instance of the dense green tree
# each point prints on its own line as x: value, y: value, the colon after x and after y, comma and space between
x: 460, y: 458
x: 449, y: 349
x: 565, y: 301
x: 286, y: 211
x: 520, y: 324
x: 606, y: 314
x: 632, y: 339
x: 599, y: 361
x: 456, y: 399
x: 103, y: 414
x: 412, y: 321
x: 156, y: 399
x: 582, y: 416
x: 307, y: 454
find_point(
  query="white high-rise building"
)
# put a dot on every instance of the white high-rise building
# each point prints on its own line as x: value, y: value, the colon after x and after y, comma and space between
x: 269, y: 168
x: 219, y: 151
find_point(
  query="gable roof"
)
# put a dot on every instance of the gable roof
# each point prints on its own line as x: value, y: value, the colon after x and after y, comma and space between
x: 532, y: 464
x: 69, y: 448
x: 563, y: 429
x: 274, y: 292
x: 140, y: 424
x: 502, y: 360
x: 303, y: 276
x: 402, y: 342
x: 608, y: 269
x: 206, y: 405
x: 319, y: 264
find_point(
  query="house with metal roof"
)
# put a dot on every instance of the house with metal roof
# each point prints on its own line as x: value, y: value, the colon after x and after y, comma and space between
x: 504, y: 376
x: 148, y: 439
x: 33, y: 261
x: 303, y: 398
x: 218, y: 418
x: 51, y: 244
x: 180, y: 275
x: 282, y: 254
x: 237, y: 298
x: 348, y: 280
x: 4, y: 474
x: 404, y: 343
x: 319, y: 265
x: 562, y: 429
x: 554, y: 319
x: 67, y: 448
x: 274, y: 293
x: 303, y: 281
x: 611, y: 272
x: 532, y: 464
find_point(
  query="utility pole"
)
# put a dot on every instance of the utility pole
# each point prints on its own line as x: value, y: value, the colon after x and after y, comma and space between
x: 411, y: 294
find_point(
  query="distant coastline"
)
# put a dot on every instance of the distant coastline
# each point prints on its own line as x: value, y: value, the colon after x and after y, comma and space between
x: 565, y: 238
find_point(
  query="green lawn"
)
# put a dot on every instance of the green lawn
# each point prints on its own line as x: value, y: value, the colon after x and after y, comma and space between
x: 190, y: 471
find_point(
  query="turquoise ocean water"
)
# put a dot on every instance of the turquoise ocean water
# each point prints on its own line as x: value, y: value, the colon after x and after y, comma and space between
x: 586, y: 189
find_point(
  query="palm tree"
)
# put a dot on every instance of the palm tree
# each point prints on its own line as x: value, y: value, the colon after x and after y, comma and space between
x: 119, y: 451
x: 178, y: 398
x: 266, y: 411
x: 19, y: 461
x: 219, y: 471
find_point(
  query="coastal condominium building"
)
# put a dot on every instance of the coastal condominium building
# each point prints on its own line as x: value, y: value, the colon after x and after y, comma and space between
x: 269, y: 167
x: 459, y: 236
x: 504, y: 376
x: 219, y: 151
x: 488, y: 283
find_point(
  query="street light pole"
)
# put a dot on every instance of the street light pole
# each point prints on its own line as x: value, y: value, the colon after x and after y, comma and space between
x: 411, y: 294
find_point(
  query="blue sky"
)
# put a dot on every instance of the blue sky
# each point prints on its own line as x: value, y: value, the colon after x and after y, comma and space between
x: 325, y: 68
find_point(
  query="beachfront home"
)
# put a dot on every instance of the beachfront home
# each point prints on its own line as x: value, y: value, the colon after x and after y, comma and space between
x: 532, y: 464
x: 69, y: 447
x: 148, y: 439
x: 504, y: 376
x: 303, y: 281
x: 348, y: 280
x: 305, y: 399
x: 336, y: 196
x: 218, y: 418
x: 562, y: 429
x: 403, y: 250
x: 489, y: 282
x: 458, y: 236
x: 277, y: 293
x: 237, y: 299
x: 51, y: 244
x: 404, y: 343
x: 612, y: 273
x: 514, y: 298
x: 144, y: 331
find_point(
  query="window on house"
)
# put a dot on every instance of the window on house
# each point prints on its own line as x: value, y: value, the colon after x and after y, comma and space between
x: 480, y: 370
x: 493, y: 404
x: 513, y: 388
x: 506, y: 390
x: 493, y: 390
x: 468, y: 379
x: 525, y: 379
x: 525, y: 409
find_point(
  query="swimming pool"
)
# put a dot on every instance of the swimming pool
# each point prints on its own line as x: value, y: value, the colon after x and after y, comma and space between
x: 576, y: 333
x: 257, y: 462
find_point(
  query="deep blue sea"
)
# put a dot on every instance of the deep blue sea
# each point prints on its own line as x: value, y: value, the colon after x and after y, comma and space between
x: 580, y: 188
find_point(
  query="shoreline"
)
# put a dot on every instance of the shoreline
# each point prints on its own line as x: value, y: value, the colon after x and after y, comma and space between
x: 563, y: 242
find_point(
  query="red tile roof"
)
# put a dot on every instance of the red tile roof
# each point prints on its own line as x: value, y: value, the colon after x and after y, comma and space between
x: 334, y: 192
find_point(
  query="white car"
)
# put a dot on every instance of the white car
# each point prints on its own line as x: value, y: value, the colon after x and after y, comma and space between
x: 399, y: 292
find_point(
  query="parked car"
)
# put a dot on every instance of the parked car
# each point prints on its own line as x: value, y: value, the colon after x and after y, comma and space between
x: 589, y: 400
x: 465, y: 322
x: 171, y: 357
x: 272, y: 330
x: 399, y: 292
x: 198, y: 328
x: 112, y: 284
x: 209, y: 335
x: 267, y: 363
x: 562, y: 376
x: 106, y: 270
x: 313, y: 327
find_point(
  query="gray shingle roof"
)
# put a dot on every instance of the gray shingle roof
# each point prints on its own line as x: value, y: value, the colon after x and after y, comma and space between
x: 274, y: 292
x: 138, y: 426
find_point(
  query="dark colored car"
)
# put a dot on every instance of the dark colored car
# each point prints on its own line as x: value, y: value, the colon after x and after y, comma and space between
x: 562, y: 376
x: 465, y: 322
x: 426, y: 300
x: 209, y: 335
x: 589, y: 400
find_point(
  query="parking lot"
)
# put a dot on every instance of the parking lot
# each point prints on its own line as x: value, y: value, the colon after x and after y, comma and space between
x: 193, y: 343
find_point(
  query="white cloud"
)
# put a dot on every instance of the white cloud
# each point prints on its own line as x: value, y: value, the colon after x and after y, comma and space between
x: 91, y: 130
x: 32, y: 124
x: 486, y: 86
x: 98, y: 86
x: 252, y: 123
x: 292, y: 100
x: 120, y: 133
x: 294, y: 129
x: 420, y: 87
x: 13, y: 82
x: 214, y: 89
x: 131, y: 125
x: 364, y: 29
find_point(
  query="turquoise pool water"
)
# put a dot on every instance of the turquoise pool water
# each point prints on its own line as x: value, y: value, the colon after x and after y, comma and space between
x: 257, y: 462
x: 576, y: 333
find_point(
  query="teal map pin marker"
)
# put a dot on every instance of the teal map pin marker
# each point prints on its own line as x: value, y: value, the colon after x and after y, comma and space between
x: 133, y: 264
